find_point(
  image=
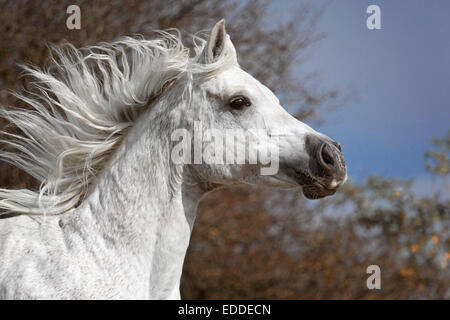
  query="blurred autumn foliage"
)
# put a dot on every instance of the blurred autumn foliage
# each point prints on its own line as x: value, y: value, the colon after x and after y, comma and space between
x: 256, y: 242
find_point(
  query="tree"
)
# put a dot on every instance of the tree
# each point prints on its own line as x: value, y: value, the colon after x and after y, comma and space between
x: 276, y: 244
x: 438, y: 161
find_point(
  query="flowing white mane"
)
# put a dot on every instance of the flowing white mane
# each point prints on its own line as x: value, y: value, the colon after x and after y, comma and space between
x: 81, y: 109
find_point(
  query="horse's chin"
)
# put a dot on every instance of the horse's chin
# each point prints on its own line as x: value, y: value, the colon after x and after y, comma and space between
x: 316, y: 191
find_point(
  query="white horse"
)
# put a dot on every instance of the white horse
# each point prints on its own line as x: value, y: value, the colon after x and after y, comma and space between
x: 114, y: 213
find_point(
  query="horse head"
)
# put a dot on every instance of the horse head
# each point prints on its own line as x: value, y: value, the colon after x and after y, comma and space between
x: 240, y: 118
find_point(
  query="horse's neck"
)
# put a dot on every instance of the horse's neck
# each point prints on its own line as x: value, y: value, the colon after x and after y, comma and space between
x: 137, y: 215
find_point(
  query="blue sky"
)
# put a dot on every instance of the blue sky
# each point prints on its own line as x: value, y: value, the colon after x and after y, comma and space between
x: 400, y: 75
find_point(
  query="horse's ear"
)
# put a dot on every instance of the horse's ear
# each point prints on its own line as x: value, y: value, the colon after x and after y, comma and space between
x: 216, y: 43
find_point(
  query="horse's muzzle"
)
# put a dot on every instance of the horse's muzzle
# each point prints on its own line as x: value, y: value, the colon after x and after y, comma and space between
x: 327, y: 170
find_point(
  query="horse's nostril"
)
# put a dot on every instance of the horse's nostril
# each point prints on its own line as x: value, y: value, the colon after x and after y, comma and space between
x: 326, y: 155
x: 326, y: 163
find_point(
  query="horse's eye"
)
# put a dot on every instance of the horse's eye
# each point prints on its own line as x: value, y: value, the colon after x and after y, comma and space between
x: 239, y: 103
